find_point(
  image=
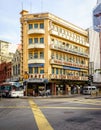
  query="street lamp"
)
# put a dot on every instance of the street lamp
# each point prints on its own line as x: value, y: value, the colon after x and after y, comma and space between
x: 45, y: 82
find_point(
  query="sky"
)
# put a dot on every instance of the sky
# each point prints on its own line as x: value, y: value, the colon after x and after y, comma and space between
x: 77, y: 12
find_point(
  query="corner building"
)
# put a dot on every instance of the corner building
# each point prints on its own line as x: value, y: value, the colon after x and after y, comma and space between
x: 55, y: 54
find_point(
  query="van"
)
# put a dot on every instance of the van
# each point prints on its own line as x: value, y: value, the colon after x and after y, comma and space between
x: 89, y: 89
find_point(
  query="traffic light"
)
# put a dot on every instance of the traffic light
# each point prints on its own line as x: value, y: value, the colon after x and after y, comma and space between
x: 90, y: 78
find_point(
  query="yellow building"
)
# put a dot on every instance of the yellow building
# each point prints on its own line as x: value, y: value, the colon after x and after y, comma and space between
x: 55, y: 53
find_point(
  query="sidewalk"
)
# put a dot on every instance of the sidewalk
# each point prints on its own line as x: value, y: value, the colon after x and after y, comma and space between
x: 52, y: 96
x: 92, y: 97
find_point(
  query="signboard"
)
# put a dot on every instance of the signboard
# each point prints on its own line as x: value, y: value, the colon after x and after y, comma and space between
x: 35, y: 80
x: 36, y: 65
x: 71, y: 68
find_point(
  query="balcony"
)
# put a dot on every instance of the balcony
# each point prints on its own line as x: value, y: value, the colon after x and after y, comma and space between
x: 37, y: 45
x: 68, y: 50
x: 30, y: 61
x: 66, y: 63
x: 53, y: 32
x: 68, y: 77
x: 36, y: 31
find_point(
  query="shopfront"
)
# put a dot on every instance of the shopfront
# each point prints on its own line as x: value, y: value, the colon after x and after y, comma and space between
x: 35, y: 87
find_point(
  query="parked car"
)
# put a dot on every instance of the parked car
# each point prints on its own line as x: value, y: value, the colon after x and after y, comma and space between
x: 89, y: 89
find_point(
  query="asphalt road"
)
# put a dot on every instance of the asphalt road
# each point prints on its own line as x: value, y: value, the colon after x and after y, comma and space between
x: 75, y: 113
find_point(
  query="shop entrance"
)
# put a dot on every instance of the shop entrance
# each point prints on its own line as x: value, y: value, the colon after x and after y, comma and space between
x: 60, y: 89
x: 36, y: 89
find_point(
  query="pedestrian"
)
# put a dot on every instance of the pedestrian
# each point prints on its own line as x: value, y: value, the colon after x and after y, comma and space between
x: 33, y: 92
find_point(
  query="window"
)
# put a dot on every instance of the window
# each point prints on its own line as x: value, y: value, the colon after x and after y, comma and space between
x: 30, y: 70
x: 41, y: 40
x: 63, y: 71
x: 41, y: 55
x: 60, y: 71
x: 41, y: 25
x: 36, y: 26
x: 30, y: 26
x: 36, y: 70
x: 67, y: 58
x: 42, y: 71
x: 52, y: 70
x: 36, y: 55
x: 30, y: 40
x: 57, y: 70
x: 60, y: 56
x: 30, y: 55
x: 64, y: 57
x: 18, y: 68
x: 56, y: 55
x: 35, y: 40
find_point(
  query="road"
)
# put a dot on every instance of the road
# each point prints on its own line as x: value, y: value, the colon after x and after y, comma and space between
x: 75, y: 113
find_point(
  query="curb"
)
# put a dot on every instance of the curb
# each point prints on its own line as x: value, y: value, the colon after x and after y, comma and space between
x: 96, y: 97
x: 44, y: 97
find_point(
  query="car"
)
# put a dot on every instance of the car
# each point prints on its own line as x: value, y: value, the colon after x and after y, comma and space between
x: 89, y: 89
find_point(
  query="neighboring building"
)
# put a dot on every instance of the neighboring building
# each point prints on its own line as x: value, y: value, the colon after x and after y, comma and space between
x: 6, y: 54
x: 94, y: 60
x: 6, y: 51
x: 95, y: 44
x: 16, y: 61
x: 55, y: 53
x: 98, y: 1
x: 97, y: 23
x: 5, y: 71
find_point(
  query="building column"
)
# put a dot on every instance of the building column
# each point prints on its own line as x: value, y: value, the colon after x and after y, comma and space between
x: 53, y: 89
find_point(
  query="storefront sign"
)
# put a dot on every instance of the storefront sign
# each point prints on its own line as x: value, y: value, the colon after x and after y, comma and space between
x: 35, y: 80
x: 71, y: 68
x: 36, y: 65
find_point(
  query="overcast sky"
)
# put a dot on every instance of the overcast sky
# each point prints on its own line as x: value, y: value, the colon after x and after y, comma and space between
x: 77, y: 12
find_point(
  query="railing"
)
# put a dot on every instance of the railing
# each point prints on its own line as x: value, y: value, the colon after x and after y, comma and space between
x: 58, y: 62
x: 36, y: 61
x: 68, y: 37
x: 73, y: 51
x: 34, y: 31
x: 37, y: 45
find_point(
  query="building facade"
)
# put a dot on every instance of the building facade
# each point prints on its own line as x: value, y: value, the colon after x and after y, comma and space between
x: 6, y: 54
x: 16, y: 65
x: 55, y: 53
x: 94, y: 60
x: 5, y: 71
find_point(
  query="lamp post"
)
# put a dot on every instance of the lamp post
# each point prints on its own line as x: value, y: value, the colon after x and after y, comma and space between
x: 25, y: 77
x: 45, y: 82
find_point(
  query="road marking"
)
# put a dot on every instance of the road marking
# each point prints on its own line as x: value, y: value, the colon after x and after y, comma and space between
x: 41, y: 120
x: 82, y: 108
x: 84, y: 102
